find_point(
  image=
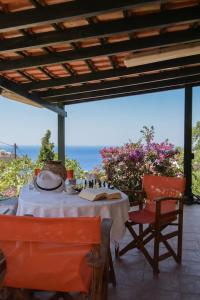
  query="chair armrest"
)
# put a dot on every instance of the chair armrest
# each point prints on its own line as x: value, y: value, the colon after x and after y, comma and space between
x: 160, y: 199
x: 172, y: 213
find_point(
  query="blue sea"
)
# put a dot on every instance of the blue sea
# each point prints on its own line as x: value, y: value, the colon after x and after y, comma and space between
x: 87, y: 156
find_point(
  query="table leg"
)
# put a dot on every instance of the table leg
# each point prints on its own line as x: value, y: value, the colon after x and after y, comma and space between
x: 112, y: 277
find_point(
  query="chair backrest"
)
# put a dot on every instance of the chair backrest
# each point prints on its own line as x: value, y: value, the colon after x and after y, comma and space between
x: 48, y: 253
x: 162, y: 186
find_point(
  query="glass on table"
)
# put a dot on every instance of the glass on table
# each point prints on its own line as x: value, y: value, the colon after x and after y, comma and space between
x: 37, y: 171
x: 31, y: 183
x: 70, y: 174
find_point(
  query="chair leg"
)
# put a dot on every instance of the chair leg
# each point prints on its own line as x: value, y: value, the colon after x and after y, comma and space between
x: 140, y: 245
x: 100, y: 289
x: 156, y: 253
x: 169, y: 247
x: 141, y: 230
x: 133, y: 244
x: 130, y: 246
x: 104, y: 288
x: 101, y: 276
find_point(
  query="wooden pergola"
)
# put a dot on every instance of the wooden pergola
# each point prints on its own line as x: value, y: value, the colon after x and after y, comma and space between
x: 55, y: 53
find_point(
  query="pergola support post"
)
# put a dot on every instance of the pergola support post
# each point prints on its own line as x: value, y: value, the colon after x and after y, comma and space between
x: 188, y: 155
x: 61, y: 137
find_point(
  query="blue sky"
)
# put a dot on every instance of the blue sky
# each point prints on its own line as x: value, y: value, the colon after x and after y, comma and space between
x: 109, y: 122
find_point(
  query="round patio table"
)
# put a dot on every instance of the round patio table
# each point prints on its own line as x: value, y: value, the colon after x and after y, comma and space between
x: 54, y: 204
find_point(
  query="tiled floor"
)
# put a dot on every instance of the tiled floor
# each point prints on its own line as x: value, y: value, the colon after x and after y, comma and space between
x: 135, y: 278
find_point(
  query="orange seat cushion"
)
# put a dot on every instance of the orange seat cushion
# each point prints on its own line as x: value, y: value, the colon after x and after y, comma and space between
x: 145, y: 216
x: 142, y: 216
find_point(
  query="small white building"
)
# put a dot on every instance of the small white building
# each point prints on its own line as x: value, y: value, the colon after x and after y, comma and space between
x: 5, y: 155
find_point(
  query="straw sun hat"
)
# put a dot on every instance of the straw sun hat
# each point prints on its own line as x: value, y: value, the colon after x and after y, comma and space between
x: 47, y: 181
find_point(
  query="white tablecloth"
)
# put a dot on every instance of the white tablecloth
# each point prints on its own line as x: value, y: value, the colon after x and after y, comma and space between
x: 52, y: 204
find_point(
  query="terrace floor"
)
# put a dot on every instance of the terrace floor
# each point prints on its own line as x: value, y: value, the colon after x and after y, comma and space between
x: 135, y: 278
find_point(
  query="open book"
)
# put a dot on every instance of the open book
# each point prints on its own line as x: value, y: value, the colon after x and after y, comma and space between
x: 99, y: 194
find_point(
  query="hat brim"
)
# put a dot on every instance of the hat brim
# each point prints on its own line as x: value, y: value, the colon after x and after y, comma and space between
x: 60, y: 188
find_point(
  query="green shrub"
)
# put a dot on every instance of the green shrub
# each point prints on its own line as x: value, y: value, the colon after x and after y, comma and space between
x: 46, y: 150
x: 14, y: 174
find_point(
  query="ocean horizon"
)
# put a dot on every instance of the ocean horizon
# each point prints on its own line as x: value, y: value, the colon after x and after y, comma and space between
x: 88, y: 156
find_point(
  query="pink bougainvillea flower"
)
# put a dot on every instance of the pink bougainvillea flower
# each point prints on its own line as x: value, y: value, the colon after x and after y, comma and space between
x: 126, y: 165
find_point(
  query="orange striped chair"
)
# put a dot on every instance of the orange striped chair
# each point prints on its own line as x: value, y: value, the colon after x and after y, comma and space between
x: 163, y: 208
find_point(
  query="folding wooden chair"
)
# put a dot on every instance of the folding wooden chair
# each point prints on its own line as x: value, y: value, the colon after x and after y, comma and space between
x: 164, y: 207
x: 55, y: 254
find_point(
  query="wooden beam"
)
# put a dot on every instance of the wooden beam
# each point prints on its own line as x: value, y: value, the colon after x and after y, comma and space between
x: 128, y: 94
x: 70, y: 90
x: 167, y: 39
x: 101, y: 75
x: 17, y: 89
x: 103, y: 29
x: 64, y: 12
x: 129, y: 89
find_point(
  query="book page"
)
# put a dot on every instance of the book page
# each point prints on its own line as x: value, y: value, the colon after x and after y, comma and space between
x: 92, y: 194
x: 99, y: 194
x: 110, y: 193
x: 113, y: 194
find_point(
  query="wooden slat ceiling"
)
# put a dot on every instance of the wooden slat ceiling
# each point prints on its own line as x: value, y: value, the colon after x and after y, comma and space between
x: 62, y: 51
